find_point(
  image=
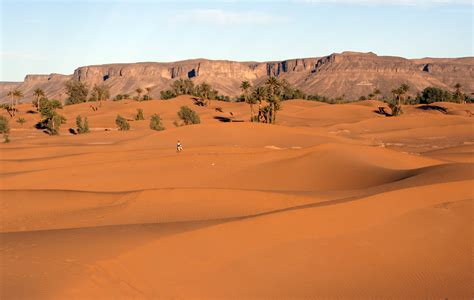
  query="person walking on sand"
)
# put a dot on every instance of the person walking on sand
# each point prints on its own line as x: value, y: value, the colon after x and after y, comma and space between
x: 179, y: 148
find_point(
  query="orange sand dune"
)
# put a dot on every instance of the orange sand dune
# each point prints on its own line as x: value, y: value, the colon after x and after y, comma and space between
x: 334, y: 201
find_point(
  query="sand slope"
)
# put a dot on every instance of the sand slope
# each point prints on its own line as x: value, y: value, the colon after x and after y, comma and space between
x: 334, y: 201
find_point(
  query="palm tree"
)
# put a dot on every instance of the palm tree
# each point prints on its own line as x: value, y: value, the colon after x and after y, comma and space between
x: 148, y: 90
x: 404, y: 88
x: 273, y: 90
x: 399, y: 96
x: 376, y: 93
x: 400, y: 92
x: 272, y: 83
x: 139, y: 91
x: 18, y: 95
x: 259, y: 94
x: 458, y: 94
x: 38, y: 93
x: 245, y: 87
x: 10, y: 94
x: 101, y: 92
x: 15, y: 95
x: 205, y: 91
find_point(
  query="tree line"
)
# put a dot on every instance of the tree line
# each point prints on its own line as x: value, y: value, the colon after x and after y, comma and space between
x: 187, y: 87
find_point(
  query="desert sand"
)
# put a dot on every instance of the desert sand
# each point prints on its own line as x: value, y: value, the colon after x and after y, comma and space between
x: 334, y: 201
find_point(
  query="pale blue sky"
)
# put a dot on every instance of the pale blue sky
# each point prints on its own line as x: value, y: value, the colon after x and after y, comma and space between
x: 42, y: 37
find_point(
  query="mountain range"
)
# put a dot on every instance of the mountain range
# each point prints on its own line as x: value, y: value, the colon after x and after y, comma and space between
x: 348, y: 74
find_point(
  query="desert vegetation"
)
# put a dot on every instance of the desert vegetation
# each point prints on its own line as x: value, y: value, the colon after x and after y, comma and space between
x: 38, y: 94
x: 434, y: 94
x: 119, y: 97
x: 21, y: 121
x: 139, y: 116
x: 4, y: 128
x: 82, y: 125
x: 147, y: 96
x: 399, y: 94
x: 76, y: 91
x: 100, y: 92
x: 155, y: 123
x: 15, y: 96
x: 186, y: 87
x: 122, y: 123
x: 139, y: 91
x: 272, y: 92
x: 52, y: 120
x: 188, y: 116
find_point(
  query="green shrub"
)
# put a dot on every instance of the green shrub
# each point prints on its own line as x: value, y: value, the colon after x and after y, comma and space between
x: 188, y: 116
x: 54, y: 124
x: 21, y: 121
x: 48, y: 107
x: 187, y: 87
x: 82, y: 125
x: 85, y: 125
x: 320, y: 98
x: 77, y: 92
x: 79, y: 123
x: 139, y: 116
x: 100, y: 92
x: 52, y: 120
x: 4, y: 125
x: 433, y: 94
x: 146, y: 98
x: 55, y: 104
x: 168, y: 94
x: 155, y: 123
x: 122, y: 123
x: 121, y: 97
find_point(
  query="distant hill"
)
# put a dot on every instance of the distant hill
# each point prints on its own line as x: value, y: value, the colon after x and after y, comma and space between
x: 348, y: 74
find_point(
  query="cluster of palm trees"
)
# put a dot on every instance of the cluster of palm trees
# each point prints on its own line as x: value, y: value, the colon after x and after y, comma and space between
x: 186, y: 87
x: 458, y: 95
x: 270, y: 93
x: 375, y: 94
x: 38, y: 93
x: 399, y: 94
x: 15, y: 97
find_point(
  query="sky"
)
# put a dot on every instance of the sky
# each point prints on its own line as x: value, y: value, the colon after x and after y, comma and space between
x: 57, y: 36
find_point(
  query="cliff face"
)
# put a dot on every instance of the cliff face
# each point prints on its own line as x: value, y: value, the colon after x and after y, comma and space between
x: 348, y: 74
